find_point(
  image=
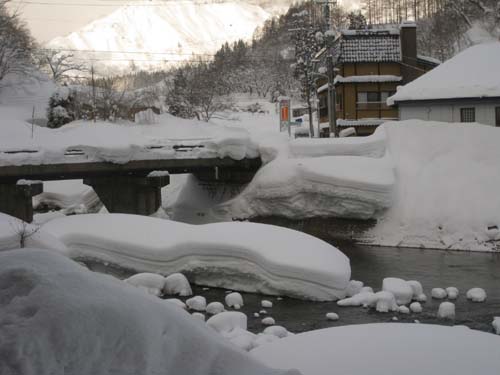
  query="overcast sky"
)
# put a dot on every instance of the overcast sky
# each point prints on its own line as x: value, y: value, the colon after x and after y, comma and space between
x: 51, y: 18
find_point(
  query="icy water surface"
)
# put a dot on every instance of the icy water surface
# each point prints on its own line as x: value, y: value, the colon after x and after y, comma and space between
x: 434, y: 269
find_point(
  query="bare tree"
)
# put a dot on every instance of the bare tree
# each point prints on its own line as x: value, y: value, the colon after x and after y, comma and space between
x: 16, y: 44
x: 58, y: 64
x: 24, y: 231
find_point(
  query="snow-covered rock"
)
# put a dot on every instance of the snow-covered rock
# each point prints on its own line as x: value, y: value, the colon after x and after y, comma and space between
x: 438, y: 293
x: 248, y: 257
x: 418, y: 291
x: 278, y: 331
x: 228, y: 321
x: 332, y: 316
x: 476, y: 295
x: 446, y: 310
x: 360, y: 299
x: 199, y: 316
x: 402, y: 291
x: 266, y: 304
x: 234, y: 300
x: 403, y: 310
x: 354, y: 288
x: 385, y: 302
x: 176, y: 302
x: 416, y: 307
x: 268, y: 321
x: 150, y: 282
x: 452, y: 292
x: 177, y: 284
x: 76, y: 322
x: 496, y: 325
x: 366, y: 289
x: 391, y: 348
x: 214, y: 308
x: 197, y: 303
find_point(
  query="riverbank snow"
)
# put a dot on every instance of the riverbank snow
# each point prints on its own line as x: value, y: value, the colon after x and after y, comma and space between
x: 380, y: 349
x: 238, y: 256
x: 57, y: 317
x: 446, y: 194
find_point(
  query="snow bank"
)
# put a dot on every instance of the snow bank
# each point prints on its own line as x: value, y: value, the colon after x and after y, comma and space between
x: 393, y: 348
x: 446, y: 194
x: 340, y: 186
x: 238, y: 256
x: 59, y: 318
x: 13, y: 229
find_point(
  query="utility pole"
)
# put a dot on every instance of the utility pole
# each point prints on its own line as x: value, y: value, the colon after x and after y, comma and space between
x: 332, y: 110
x: 93, y: 94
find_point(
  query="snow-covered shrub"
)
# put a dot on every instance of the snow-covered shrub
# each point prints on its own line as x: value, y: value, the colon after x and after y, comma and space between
x: 61, y: 109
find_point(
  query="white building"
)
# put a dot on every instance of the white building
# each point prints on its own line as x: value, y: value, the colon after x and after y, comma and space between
x: 465, y: 88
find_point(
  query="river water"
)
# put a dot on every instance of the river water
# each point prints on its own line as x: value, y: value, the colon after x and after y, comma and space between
x: 433, y: 268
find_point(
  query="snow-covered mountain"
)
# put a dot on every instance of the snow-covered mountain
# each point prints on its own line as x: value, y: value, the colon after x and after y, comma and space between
x: 156, y: 33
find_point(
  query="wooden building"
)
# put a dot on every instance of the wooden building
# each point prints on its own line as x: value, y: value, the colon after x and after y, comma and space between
x: 370, y: 65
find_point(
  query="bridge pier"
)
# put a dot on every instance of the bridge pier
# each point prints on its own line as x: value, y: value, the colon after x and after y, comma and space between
x: 129, y: 194
x: 16, y: 199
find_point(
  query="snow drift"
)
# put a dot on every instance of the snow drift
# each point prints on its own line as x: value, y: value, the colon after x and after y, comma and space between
x: 239, y: 256
x: 58, y: 318
x: 379, y: 349
x: 447, y: 187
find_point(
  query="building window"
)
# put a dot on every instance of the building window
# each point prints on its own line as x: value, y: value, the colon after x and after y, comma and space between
x: 339, y: 102
x: 497, y: 116
x: 368, y: 100
x: 467, y: 114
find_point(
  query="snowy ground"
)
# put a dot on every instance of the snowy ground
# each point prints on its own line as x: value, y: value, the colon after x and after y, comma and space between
x: 57, y: 317
x: 411, y: 349
x: 241, y: 256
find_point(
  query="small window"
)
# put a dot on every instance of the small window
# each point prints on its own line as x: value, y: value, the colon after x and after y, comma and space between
x: 497, y: 116
x: 467, y: 114
x: 373, y: 97
x: 339, y: 102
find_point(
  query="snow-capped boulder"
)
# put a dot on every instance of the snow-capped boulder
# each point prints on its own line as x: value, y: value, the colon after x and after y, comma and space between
x: 353, y: 288
x: 385, y: 302
x: 268, y: 321
x: 402, y: 290
x: 446, y: 310
x: 177, y: 284
x: 214, y: 308
x: 476, y: 295
x: 332, y: 316
x: 360, y: 299
x: 438, y: 293
x: 496, y: 325
x: 176, y: 302
x: 266, y: 304
x: 76, y: 322
x: 452, y: 292
x: 416, y: 307
x: 403, y: 310
x: 150, y: 282
x: 197, y: 303
x: 234, y: 300
x: 278, y: 331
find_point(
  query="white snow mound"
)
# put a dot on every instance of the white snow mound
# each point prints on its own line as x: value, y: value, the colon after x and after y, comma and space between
x: 75, y: 322
x: 391, y: 348
x: 247, y: 257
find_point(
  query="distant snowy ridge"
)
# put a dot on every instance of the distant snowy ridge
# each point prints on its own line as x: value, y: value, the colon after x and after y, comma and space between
x: 155, y: 36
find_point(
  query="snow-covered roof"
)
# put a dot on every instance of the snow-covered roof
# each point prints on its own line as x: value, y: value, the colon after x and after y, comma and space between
x: 369, y: 46
x: 429, y: 59
x: 367, y: 79
x: 473, y: 73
